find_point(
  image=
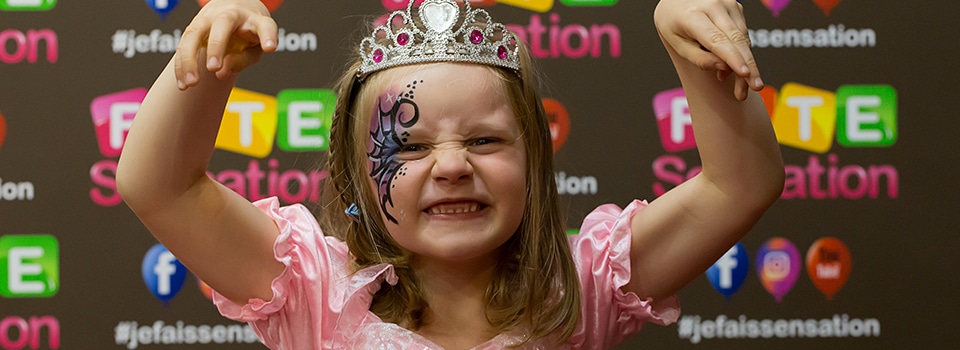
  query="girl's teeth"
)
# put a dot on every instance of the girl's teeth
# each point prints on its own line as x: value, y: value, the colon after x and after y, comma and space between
x: 454, y: 208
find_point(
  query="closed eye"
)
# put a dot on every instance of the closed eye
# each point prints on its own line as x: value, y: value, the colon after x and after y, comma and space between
x: 484, y: 141
x: 412, y: 148
x: 412, y: 151
x: 485, y: 145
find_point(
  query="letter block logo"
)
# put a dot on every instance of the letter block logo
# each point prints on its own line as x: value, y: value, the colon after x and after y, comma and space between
x: 589, y: 2
x: 805, y: 118
x: 249, y: 123
x: 304, y: 118
x: 532, y: 5
x: 27, y: 5
x: 866, y: 116
x: 112, y: 116
x: 29, y: 266
x: 673, y: 119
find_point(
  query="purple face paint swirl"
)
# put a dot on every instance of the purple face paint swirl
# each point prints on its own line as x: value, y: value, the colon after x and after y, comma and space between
x: 387, y: 136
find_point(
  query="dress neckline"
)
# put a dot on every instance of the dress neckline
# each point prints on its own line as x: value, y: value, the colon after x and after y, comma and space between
x: 365, y: 283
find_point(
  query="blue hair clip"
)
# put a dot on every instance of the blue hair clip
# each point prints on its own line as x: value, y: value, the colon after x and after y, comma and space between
x: 353, y: 211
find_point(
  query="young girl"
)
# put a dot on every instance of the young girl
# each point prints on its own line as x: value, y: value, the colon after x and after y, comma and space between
x: 444, y: 230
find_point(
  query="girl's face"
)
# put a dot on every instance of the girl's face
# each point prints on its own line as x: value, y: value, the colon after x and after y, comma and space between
x: 446, y: 161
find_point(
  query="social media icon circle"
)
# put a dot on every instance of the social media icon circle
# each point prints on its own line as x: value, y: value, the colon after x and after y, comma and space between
x: 826, y: 5
x: 728, y: 273
x: 559, y: 122
x: 205, y: 288
x: 828, y: 265
x: 778, y: 265
x: 162, y: 7
x: 775, y: 6
x: 163, y: 273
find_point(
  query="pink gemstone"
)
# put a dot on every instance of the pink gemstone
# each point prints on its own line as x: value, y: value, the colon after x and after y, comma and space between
x: 403, y: 39
x: 476, y: 36
x: 502, y: 52
x: 378, y: 55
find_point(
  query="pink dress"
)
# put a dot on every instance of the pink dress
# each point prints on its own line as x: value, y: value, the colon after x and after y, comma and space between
x: 318, y: 304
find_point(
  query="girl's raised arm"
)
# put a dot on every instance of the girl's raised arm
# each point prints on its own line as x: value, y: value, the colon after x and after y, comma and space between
x: 680, y: 234
x: 216, y: 233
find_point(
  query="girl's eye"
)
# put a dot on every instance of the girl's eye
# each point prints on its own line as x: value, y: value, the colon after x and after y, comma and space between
x: 412, y: 148
x: 483, y: 141
x: 412, y: 151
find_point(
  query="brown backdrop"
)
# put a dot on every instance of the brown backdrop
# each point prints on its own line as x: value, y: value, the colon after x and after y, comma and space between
x: 891, y: 200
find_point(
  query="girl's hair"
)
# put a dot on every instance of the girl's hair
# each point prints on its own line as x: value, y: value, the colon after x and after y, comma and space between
x: 535, y: 290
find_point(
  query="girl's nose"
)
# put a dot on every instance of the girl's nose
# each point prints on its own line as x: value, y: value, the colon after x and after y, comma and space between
x: 451, y: 165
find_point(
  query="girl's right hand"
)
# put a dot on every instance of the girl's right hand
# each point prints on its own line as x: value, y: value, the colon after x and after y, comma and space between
x: 226, y: 36
x: 712, y: 35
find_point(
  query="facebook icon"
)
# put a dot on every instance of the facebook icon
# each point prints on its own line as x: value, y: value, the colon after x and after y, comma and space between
x: 728, y: 273
x: 163, y: 273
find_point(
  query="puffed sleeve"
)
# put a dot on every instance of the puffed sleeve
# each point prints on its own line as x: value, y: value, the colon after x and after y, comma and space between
x: 601, y: 252
x: 302, y: 312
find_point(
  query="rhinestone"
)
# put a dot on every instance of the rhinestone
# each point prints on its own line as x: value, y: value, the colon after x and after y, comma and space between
x: 476, y: 36
x: 403, y: 39
x: 378, y: 55
x: 502, y: 52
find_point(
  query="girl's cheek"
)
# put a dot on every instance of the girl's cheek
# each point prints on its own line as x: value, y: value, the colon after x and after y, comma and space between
x: 417, y: 169
x: 398, y: 178
x: 408, y: 175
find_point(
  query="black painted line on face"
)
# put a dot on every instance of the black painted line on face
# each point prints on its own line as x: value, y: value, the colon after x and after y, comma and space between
x: 387, y: 140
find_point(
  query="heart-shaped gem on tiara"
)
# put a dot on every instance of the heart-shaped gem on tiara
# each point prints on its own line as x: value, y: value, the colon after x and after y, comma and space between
x: 439, y: 17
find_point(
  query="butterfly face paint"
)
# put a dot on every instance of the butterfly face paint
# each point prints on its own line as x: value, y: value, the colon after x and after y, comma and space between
x: 393, y: 115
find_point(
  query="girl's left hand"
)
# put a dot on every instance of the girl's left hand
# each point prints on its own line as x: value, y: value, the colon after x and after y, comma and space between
x: 711, y: 34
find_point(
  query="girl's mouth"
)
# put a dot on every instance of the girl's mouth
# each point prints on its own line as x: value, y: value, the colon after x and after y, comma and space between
x: 455, y: 208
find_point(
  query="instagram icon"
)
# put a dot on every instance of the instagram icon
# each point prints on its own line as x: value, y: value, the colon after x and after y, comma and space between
x: 778, y: 264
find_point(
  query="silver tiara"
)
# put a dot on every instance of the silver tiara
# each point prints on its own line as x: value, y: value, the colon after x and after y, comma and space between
x: 476, y: 40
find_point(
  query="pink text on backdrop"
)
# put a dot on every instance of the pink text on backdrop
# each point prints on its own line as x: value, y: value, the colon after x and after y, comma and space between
x: 19, y: 333
x: 17, y: 46
x: 253, y: 183
x: 813, y: 180
x: 570, y: 41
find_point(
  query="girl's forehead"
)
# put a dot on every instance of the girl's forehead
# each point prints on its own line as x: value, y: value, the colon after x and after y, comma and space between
x: 432, y: 90
x: 441, y: 76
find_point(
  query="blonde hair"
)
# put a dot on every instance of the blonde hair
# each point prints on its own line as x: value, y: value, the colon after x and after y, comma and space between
x: 535, y: 291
